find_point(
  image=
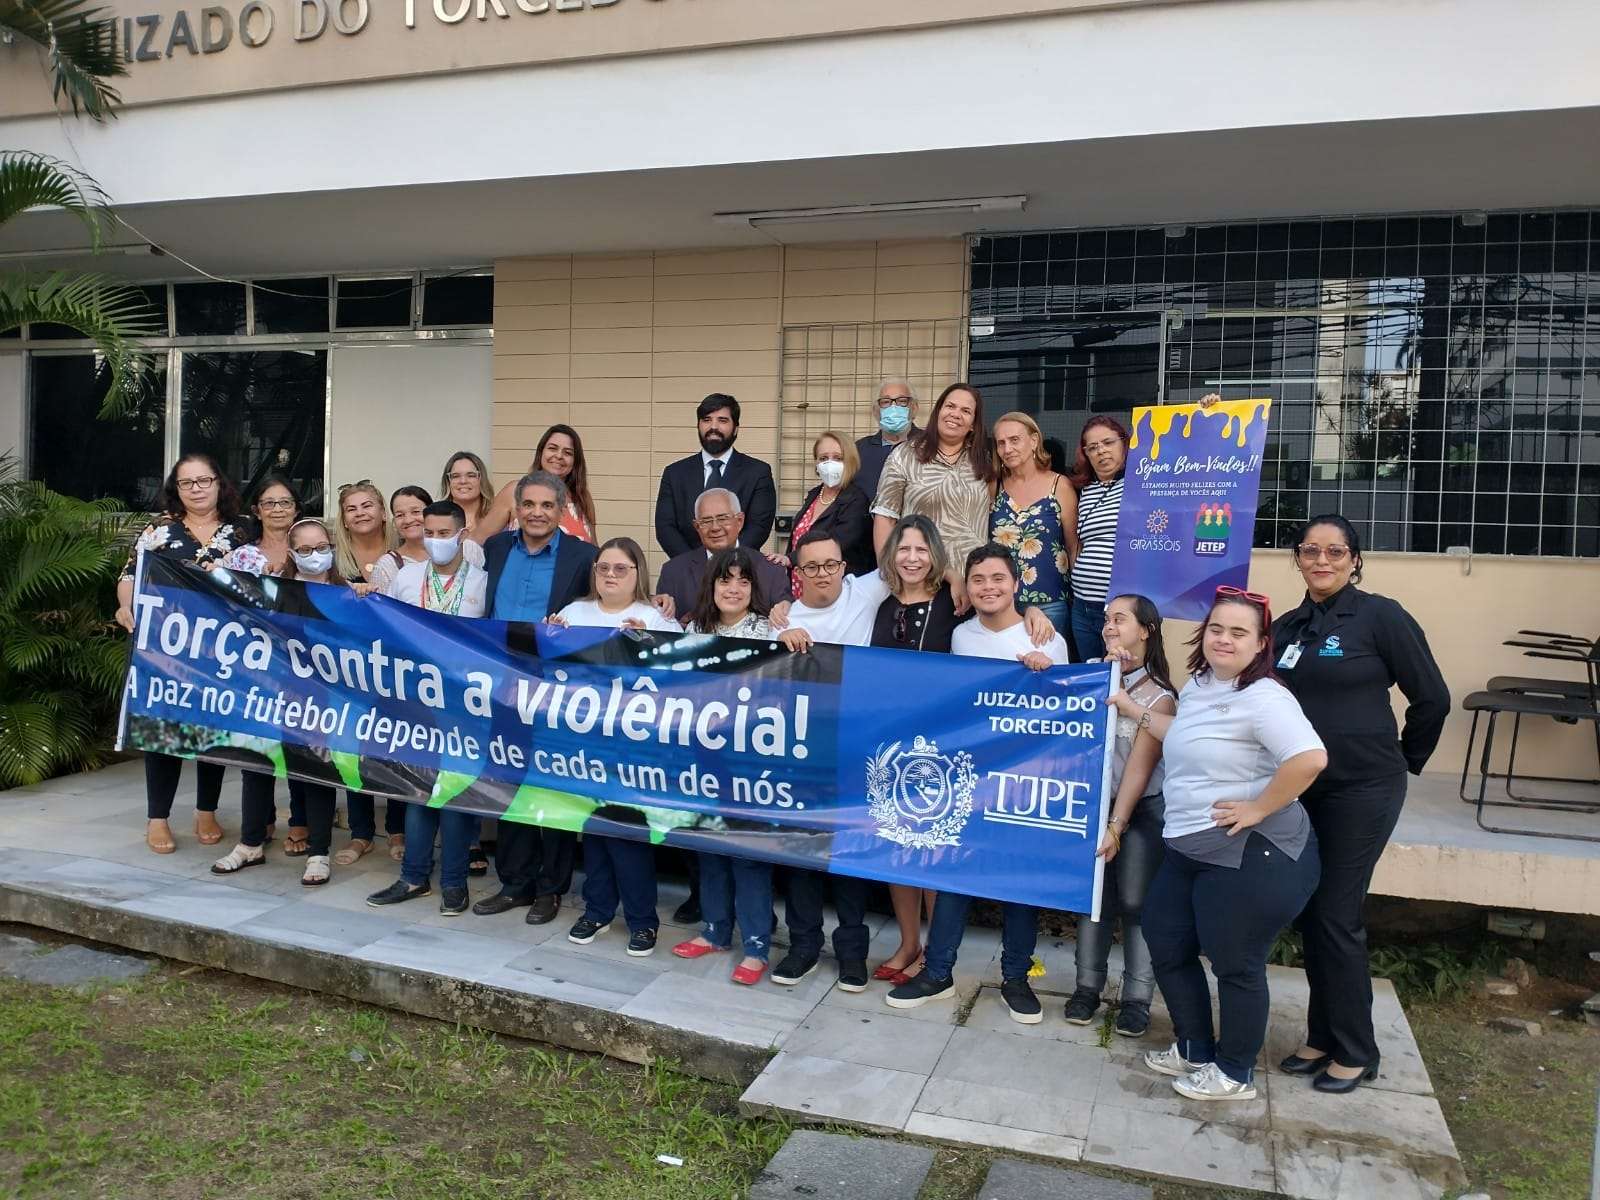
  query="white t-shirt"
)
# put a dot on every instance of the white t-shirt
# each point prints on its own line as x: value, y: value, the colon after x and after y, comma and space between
x: 848, y: 620
x: 589, y: 613
x: 410, y: 580
x: 386, y: 568
x: 974, y: 640
x: 1225, y: 744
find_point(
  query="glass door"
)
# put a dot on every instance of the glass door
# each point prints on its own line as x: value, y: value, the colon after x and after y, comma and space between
x: 259, y: 413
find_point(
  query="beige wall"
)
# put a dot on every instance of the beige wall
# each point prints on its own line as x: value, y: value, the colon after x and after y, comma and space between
x: 1466, y: 617
x: 623, y: 348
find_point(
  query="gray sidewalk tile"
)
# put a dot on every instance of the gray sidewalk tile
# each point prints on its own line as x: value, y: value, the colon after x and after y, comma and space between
x: 207, y: 905
x: 455, y: 955
x: 101, y: 882
x: 831, y: 1166
x: 1396, y: 1120
x: 1196, y: 1148
x: 1319, y: 1169
x: 1128, y: 1083
x: 750, y: 1016
x: 1010, y: 1179
x: 319, y: 927
x: 825, y: 1089
x: 994, y: 1104
x: 994, y: 1137
x: 1054, y: 1069
x: 870, y: 1039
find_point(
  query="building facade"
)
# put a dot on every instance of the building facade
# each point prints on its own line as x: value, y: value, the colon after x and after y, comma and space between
x: 389, y: 231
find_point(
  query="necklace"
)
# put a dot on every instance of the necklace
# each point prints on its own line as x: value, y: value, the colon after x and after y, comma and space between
x: 442, y: 596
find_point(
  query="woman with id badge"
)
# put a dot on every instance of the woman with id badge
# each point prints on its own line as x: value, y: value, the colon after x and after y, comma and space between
x: 1339, y: 653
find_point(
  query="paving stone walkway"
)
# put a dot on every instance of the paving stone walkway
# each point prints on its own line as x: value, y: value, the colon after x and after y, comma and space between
x: 72, y: 858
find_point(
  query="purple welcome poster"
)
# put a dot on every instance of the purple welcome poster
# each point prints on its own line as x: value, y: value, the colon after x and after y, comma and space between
x: 1189, y: 503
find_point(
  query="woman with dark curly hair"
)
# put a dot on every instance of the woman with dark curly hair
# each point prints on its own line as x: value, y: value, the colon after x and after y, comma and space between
x: 198, y: 524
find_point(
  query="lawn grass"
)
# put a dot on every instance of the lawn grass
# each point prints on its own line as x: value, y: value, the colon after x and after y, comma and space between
x: 210, y: 1085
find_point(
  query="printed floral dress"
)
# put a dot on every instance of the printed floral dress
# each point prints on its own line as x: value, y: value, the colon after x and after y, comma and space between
x: 168, y: 535
x: 1033, y: 534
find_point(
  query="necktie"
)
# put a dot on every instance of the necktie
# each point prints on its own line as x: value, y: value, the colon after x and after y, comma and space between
x: 715, y: 478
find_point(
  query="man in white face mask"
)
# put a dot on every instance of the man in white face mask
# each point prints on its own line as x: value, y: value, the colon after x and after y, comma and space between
x: 446, y: 582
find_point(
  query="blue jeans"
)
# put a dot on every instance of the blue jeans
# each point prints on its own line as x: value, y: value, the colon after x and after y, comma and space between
x: 364, y: 817
x: 1230, y: 916
x: 1019, y: 934
x: 1127, y: 880
x: 457, y: 831
x: 736, y: 888
x: 1059, y: 614
x: 616, y: 870
x: 1088, y: 619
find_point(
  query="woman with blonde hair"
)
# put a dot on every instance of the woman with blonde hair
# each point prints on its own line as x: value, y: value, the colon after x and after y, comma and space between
x: 1035, y: 516
x: 465, y: 480
x: 836, y: 505
x: 362, y: 534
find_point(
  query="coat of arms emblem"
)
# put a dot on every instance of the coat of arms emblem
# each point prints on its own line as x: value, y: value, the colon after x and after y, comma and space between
x: 918, y: 797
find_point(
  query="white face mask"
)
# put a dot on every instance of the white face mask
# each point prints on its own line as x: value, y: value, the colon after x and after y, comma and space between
x: 314, y: 562
x: 830, y: 472
x: 442, y: 550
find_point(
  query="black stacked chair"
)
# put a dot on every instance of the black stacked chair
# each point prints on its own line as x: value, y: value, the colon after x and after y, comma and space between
x: 1568, y: 701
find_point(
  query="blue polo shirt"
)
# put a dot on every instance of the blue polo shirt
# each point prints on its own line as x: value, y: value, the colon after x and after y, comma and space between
x: 523, y: 593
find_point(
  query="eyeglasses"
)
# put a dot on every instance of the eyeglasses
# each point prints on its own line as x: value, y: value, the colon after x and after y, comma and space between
x: 812, y: 570
x: 894, y: 401
x: 612, y: 570
x: 1224, y: 592
x: 277, y: 505
x: 716, y: 522
x: 1309, y: 553
x: 350, y: 487
x: 322, y: 549
x: 196, y: 485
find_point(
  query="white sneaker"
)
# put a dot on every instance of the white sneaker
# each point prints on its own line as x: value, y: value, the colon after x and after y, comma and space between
x: 1170, y: 1062
x: 1209, y: 1083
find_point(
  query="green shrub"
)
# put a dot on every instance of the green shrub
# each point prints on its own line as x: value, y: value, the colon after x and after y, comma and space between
x: 62, y: 656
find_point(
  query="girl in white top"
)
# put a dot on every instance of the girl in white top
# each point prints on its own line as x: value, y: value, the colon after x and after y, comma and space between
x: 1241, y: 857
x: 1132, y: 844
x: 405, y: 506
x: 617, y: 870
x: 618, y: 595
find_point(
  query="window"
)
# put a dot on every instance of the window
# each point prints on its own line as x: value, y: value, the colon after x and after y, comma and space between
x: 1435, y: 379
x: 259, y: 412
x: 375, y: 303
x: 201, y: 309
x: 74, y: 451
x: 291, y: 305
x: 466, y: 300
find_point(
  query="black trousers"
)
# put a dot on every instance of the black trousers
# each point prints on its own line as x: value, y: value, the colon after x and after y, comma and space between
x: 1353, y: 823
x: 533, y: 862
x: 313, y: 803
x: 161, y: 775
x: 802, y: 913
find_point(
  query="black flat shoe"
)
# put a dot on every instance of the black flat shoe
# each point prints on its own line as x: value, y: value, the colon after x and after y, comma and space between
x: 1295, y: 1065
x: 1338, y: 1087
x: 498, y: 903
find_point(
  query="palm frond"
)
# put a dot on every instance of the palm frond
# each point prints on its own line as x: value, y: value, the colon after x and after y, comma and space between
x: 29, y: 180
x: 110, y: 314
x: 81, y: 45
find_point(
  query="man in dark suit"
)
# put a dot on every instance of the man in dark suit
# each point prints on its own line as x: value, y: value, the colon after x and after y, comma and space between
x: 897, y: 411
x: 717, y: 522
x: 534, y: 571
x: 717, y: 465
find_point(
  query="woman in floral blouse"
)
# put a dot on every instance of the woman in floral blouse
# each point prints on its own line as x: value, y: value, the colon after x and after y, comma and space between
x: 1035, y: 516
x: 197, y: 525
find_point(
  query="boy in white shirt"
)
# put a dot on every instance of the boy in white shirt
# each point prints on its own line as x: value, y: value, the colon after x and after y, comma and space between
x: 445, y: 583
x: 996, y: 631
x: 833, y: 607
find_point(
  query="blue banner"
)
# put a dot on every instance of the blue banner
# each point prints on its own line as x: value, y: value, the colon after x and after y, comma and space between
x: 1188, y: 513
x: 962, y: 774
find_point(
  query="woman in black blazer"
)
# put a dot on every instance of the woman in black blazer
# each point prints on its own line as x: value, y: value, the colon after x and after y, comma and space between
x: 836, y: 505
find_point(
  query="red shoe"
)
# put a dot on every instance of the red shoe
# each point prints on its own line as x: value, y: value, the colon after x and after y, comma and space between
x: 694, y: 949
x: 887, y: 973
x: 749, y: 975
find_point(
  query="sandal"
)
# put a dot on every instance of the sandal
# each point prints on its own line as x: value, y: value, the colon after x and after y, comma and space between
x: 208, y: 836
x: 237, y: 859
x: 297, y: 842
x: 397, y: 847
x: 158, y: 836
x: 477, y: 862
x: 352, y: 852
x: 317, y: 871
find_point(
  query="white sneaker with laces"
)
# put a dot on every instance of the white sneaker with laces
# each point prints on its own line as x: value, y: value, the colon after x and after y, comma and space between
x: 1170, y: 1062
x: 1210, y: 1083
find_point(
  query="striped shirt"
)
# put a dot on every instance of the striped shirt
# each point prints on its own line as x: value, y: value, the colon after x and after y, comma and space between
x: 1098, y: 505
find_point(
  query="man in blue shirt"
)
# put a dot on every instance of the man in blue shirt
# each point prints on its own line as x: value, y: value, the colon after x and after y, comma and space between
x: 533, y: 572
